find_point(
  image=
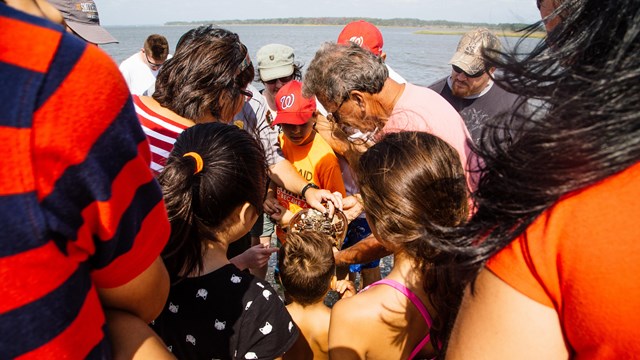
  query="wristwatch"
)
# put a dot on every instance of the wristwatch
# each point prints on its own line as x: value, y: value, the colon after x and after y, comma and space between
x: 306, y: 187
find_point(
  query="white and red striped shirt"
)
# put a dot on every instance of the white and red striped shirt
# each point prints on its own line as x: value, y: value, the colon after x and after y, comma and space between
x: 161, y: 131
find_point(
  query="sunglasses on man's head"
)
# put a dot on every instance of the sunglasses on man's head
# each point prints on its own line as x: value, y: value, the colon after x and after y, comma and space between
x: 283, y: 80
x: 151, y: 63
x: 460, y: 71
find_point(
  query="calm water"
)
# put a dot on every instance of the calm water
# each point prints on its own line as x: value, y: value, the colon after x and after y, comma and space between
x: 421, y: 59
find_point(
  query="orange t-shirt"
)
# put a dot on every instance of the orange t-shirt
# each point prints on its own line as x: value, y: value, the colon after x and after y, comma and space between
x: 317, y: 163
x: 582, y: 257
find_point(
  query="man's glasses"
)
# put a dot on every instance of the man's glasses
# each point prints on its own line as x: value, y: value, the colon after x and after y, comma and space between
x: 460, y: 71
x: 354, y: 136
x: 247, y: 94
x: 283, y: 80
x: 153, y: 65
x: 334, y: 116
x: 357, y: 137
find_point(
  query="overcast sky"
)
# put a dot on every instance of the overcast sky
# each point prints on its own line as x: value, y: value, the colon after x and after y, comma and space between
x: 157, y: 12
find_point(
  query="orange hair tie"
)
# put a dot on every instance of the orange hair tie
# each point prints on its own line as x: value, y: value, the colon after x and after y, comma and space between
x: 198, y: 158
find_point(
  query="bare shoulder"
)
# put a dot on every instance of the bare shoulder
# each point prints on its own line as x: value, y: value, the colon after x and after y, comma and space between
x: 313, y: 322
x: 354, y: 306
x: 358, y: 311
x: 355, y: 315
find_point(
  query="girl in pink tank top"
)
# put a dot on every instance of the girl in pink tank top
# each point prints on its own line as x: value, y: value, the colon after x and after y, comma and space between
x: 411, y: 184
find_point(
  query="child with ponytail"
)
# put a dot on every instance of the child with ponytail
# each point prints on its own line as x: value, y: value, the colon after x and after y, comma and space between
x: 213, y: 184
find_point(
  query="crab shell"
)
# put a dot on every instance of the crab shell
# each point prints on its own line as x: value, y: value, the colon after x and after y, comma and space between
x: 314, y: 220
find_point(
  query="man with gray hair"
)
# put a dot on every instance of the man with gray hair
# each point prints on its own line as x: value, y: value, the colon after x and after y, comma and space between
x: 354, y: 86
x: 470, y: 88
x: 363, y: 104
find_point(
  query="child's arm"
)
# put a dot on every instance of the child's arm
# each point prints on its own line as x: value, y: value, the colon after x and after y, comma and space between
x: 254, y: 257
x: 270, y: 205
x: 282, y: 217
x: 285, y: 174
x: 345, y: 288
x: 131, y: 338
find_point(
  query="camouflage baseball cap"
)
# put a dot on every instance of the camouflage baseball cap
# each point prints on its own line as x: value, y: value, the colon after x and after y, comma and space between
x: 468, y: 56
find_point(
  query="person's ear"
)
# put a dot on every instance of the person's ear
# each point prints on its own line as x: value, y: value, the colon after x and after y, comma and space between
x: 245, y: 215
x: 358, y: 97
x: 383, y: 56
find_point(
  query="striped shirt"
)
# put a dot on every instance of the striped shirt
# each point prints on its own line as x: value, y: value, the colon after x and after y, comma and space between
x: 161, y: 131
x: 80, y: 208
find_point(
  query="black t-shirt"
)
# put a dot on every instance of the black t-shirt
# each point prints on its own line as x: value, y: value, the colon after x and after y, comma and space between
x: 476, y: 112
x: 226, y: 314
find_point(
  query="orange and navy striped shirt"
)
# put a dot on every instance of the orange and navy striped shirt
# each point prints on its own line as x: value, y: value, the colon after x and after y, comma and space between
x: 79, y: 208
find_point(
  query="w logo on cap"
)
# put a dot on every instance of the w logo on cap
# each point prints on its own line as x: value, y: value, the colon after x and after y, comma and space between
x: 287, y: 101
x: 358, y: 40
x: 293, y: 108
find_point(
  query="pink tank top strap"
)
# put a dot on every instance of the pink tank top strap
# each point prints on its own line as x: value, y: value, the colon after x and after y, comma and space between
x: 418, y: 304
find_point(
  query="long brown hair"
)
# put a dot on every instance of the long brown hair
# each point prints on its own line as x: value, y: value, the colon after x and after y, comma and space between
x: 206, y: 73
x: 585, y: 81
x: 412, y: 185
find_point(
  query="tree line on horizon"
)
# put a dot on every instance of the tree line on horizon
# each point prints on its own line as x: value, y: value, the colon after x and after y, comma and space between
x: 408, y: 22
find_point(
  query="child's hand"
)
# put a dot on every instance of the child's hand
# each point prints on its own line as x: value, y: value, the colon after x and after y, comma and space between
x: 278, y: 213
x: 345, y: 288
x: 271, y: 205
x: 352, y: 206
x: 254, y: 257
x: 259, y: 255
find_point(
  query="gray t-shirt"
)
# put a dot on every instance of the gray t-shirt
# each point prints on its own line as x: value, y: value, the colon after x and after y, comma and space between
x: 478, y: 110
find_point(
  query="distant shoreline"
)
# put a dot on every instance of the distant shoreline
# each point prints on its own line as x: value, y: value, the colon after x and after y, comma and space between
x: 435, y: 27
x: 225, y: 23
x: 535, y: 35
x: 457, y: 29
x: 430, y: 30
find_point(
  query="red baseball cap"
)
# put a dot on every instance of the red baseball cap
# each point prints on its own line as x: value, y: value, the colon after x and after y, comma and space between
x: 364, y: 34
x: 292, y: 107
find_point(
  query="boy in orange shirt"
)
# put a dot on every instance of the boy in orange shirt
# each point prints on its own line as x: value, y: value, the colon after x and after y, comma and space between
x: 309, y: 154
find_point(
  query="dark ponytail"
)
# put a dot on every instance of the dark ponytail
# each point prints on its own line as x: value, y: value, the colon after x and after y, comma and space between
x: 234, y: 171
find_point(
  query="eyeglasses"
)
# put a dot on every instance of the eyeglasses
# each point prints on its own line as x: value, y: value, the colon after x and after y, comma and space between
x: 460, y: 71
x: 354, y: 136
x: 247, y: 94
x: 283, y: 80
x: 153, y: 65
x: 333, y: 116
x: 357, y: 137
